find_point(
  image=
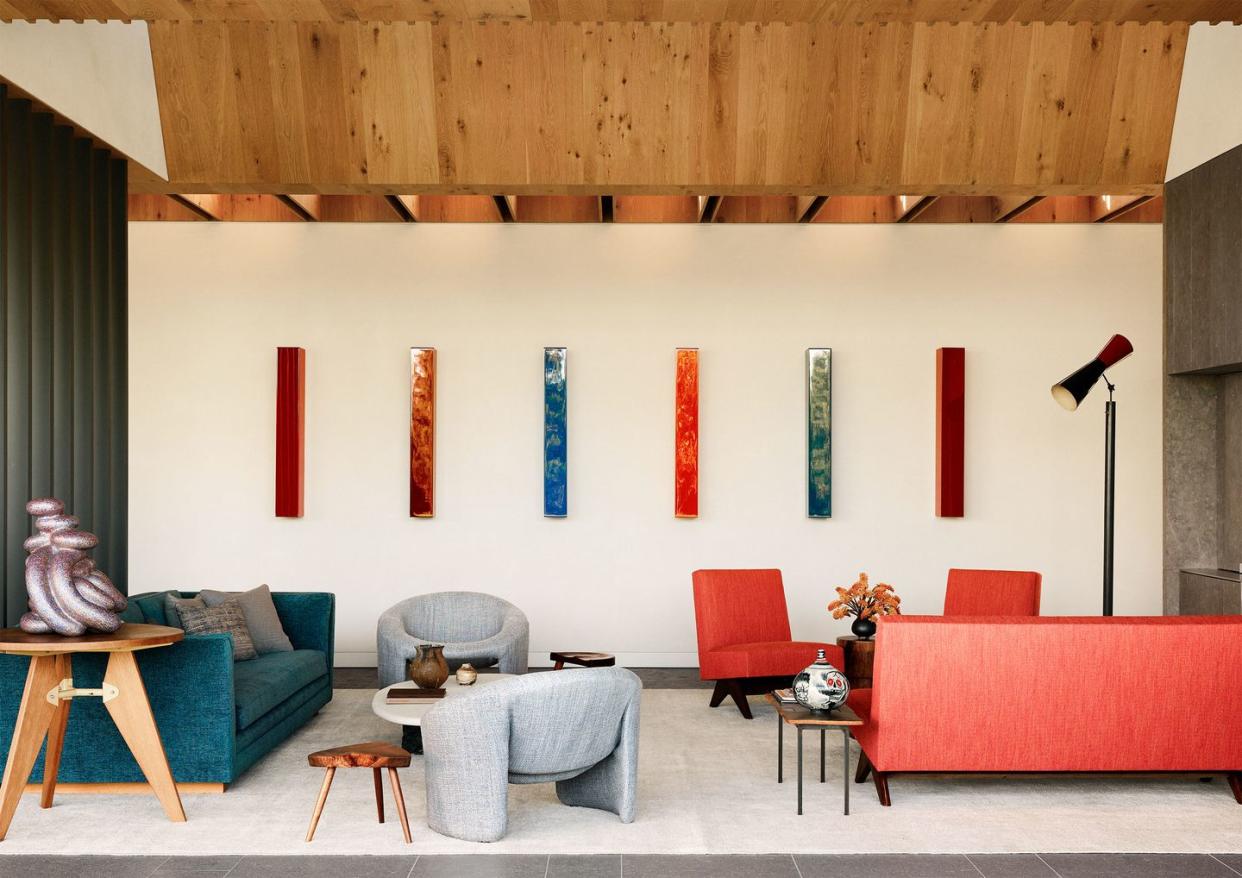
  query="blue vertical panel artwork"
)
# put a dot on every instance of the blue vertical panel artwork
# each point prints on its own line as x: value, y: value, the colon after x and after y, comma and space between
x: 819, y: 432
x: 555, y: 434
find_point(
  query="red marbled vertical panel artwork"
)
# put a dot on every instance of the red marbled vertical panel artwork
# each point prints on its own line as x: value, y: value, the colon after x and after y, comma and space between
x: 686, y: 461
x: 290, y: 430
x: 950, y: 432
x: 422, y: 432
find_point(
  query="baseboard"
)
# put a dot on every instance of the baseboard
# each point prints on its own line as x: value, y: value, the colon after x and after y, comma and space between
x: 541, y: 660
x: 127, y: 789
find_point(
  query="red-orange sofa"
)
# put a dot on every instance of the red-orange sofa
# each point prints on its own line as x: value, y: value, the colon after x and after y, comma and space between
x: 1006, y: 694
x: 744, y: 640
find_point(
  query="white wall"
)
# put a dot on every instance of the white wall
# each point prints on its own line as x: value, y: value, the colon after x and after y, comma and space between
x: 1209, y: 105
x: 99, y: 75
x: 209, y: 303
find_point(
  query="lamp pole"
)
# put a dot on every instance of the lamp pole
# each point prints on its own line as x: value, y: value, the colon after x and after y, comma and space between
x: 1110, y: 479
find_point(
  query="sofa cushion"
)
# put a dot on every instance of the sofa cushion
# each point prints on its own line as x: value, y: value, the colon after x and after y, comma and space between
x: 774, y: 659
x: 261, y: 617
x: 224, y: 619
x: 263, y: 683
x: 151, y: 606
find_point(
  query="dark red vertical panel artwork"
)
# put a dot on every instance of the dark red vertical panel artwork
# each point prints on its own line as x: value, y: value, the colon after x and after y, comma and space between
x: 422, y: 432
x: 290, y: 430
x: 950, y: 432
x: 686, y: 462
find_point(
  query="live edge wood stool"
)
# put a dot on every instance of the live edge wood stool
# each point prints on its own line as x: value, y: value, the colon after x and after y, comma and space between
x: 582, y: 659
x: 375, y: 755
x: 44, y: 711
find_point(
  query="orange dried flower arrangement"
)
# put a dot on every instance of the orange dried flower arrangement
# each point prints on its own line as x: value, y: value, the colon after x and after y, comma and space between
x: 865, y: 601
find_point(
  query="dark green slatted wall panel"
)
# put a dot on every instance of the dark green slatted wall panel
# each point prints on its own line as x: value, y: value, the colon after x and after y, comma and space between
x: 63, y: 338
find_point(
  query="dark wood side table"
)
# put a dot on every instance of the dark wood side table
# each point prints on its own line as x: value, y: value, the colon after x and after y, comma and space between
x: 582, y: 659
x: 800, y: 718
x: 375, y: 755
x: 859, y: 660
x: 49, y: 691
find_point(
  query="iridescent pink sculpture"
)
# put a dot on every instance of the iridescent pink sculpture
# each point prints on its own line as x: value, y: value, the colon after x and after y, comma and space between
x: 65, y: 592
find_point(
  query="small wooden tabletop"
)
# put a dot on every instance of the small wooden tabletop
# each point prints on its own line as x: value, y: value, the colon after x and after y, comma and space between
x: 128, y: 638
x: 797, y: 715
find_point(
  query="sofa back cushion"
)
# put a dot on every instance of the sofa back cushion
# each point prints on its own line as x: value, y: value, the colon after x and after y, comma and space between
x: 1057, y: 694
x: 992, y: 593
x: 739, y: 606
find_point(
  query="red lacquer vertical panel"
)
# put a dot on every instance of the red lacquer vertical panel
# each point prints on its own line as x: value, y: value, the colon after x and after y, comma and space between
x: 422, y: 432
x: 950, y: 432
x: 686, y: 463
x: 290, y: 430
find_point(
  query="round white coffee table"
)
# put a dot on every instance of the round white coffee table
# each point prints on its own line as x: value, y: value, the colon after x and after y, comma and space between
x: 412, y: 714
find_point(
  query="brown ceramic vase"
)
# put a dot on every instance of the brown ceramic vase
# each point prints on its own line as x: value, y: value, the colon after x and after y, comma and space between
x: 428, y: 669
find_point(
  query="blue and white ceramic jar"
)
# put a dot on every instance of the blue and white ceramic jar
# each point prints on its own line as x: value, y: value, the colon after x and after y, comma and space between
x: 821, y: 686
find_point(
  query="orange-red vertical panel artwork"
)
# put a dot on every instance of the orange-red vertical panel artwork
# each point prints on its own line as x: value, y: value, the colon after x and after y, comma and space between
x: 950, y: 432
x: 290, y: 430
x: 686, y: 463
x: 422, y: 432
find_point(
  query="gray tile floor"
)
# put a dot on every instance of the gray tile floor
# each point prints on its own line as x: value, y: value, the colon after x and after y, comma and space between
x: 637, y: 866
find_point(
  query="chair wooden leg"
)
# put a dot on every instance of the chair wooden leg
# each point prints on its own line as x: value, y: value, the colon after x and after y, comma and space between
x: 400, y: 800
x: 379, y: 793
x: 881, y: 787
x: 1235, y: 785
x: 864, y: 767
x: 56, y: 737
x: 323, y: 797
x: 719, y: 693
x: 738, y: 693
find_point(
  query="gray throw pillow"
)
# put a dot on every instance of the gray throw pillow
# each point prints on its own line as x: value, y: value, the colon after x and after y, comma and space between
x: 226, y: 618
x: 173, y: 604
x: 261, y: 618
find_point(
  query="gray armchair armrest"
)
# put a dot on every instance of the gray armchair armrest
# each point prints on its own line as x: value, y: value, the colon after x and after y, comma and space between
x: 466, y: 743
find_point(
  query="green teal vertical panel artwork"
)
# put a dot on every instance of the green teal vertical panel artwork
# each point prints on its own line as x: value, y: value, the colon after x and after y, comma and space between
x: 555, y: 435
x: 819, y: 432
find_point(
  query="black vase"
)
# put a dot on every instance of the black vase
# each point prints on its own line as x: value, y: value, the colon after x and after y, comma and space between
x: 864, y: 629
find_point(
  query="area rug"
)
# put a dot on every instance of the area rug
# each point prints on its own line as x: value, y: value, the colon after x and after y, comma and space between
x: 707, y: 785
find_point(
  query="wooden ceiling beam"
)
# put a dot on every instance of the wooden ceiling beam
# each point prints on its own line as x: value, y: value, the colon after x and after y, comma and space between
x: 404, y: 206
x: 908, y: 207
x: 758, y: 209
x: 305, y: 206
x: 655, y: 209
x: 849, y: 12
x: 1106, y: 208
x: 1006, y: 208
x: 558, y: 209
x: 809, y: 207
x: 159, y: 208
x: 858, y: 209
x: 709, y: 206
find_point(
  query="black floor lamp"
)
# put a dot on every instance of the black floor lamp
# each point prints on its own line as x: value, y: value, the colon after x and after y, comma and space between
x: 1071, y: 391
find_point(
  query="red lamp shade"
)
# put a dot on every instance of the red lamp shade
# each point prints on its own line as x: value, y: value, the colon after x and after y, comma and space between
x: 1073, y: 389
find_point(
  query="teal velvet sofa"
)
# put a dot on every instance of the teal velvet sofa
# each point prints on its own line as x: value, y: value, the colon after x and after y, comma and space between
x: 216, y: 717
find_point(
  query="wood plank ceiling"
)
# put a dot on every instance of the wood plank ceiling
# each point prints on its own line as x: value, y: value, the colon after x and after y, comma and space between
x: 829, y: 11
x: 659, y: 110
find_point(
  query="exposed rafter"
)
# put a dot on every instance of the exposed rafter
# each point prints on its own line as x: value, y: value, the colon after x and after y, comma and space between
x: 1007, y: 208
x: 1106, y: 208
x: 908, y: 207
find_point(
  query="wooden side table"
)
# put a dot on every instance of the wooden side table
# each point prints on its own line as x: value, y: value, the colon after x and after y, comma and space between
x: 44, y: 711
x: 842, y: 718
x: 375, y: 755
x: 583, y: 659
x: 859, y: 660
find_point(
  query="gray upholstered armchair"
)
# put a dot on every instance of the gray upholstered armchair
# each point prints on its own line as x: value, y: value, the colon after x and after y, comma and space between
x: 576, y: 728
x: 473, y: 627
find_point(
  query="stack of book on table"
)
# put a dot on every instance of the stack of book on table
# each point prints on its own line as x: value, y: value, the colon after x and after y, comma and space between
x: 785, y: 696
x: 411, y: 695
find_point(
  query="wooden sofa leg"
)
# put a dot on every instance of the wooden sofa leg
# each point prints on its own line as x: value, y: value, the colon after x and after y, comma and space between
x: 864, y: 767
x: 881, y: 787
x: 1235, y: 784
x: 719, y: 693
x: 738, y: 693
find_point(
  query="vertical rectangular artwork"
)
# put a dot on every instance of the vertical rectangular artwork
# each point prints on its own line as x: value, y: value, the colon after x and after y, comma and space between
x: 686, y: 435
x: 290, y: 430
x: 950, y: 432
x: 422, y: 432
x: 819, y: 432
x: 555, y: 434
